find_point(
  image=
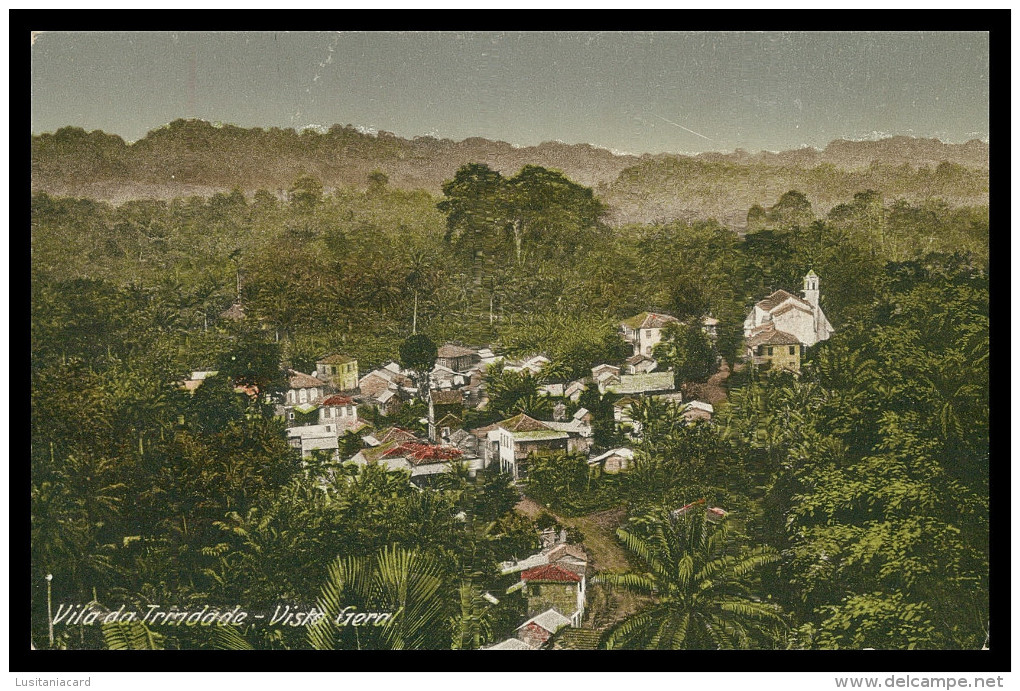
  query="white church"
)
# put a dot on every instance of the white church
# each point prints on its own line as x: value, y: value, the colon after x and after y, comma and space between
x: 783, y: 316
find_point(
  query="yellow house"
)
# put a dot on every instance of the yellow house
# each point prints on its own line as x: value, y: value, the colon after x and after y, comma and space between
x: 780, y: 350
x: 340, y: 370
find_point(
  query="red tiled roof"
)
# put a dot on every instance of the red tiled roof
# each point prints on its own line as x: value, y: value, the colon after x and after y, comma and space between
x: 395, y: 434
x: 337, y: 399
x: 772, y: 337
x: 550, y: 572
x: 421, y: 453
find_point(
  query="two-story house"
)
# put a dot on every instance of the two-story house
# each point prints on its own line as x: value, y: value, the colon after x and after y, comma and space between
x: 339, y: 370
x: 644, y: 330
x: 522, y: 435
x: 457, y: 357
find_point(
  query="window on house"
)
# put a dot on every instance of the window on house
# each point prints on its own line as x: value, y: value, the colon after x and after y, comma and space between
x: 770, y: 350
x: 760, y: 351
x: 329, y: 428
x: 648, y: 333
x: 290, y: 416
x: 304, y: 396
x: 793, y: 350
x: 290, y: 395
x: 803, y: 349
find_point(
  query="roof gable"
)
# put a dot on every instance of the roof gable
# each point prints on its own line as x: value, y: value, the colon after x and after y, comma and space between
x: 779, y: 297
x: 524, y: 423
x: 419, y: 453
x: 772, y: 337
x: 549, y: 620
x: 303, y: 381
x: 649, y: 320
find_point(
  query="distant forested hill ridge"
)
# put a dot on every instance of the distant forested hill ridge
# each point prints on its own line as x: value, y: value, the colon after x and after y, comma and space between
x: 194, y: 157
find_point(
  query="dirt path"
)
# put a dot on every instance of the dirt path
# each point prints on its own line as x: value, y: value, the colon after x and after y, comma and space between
x: 713, y: 390
x: 598, y: 529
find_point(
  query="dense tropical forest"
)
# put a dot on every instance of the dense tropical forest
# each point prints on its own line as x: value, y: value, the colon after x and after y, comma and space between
x: 857, y: 492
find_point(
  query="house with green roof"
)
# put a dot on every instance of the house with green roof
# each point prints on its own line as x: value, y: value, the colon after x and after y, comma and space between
x: 522, y: 435
x: 644, y: 330
x: 339, y: 370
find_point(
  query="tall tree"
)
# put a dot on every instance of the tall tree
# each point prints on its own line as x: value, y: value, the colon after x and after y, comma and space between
x: 698, y: 582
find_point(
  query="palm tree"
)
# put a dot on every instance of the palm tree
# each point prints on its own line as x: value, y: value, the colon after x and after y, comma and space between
x: 695, y: 580
x: 408, y: 584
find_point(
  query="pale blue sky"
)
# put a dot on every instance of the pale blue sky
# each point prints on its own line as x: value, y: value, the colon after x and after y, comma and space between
x: 635, y: 92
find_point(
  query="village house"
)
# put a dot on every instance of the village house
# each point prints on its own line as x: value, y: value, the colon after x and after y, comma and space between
x: 304, y: 388
x: 302, y: 398
x: 486, y: 357
x: 310, y: 438
x: 461, y: 439
x: 513, y: 440
x: 389, y: 434
x: 341, y: 411
x: 456, y: 357
x: 423, y: 461
x: 446, y: 427
x: 780, y: 328
x: 604, y: 374
x: 388, y: 377
x: 698, y: 410
x: 573, y: 390
x: 444, y: 404
x: 339, y: 370
x: 579, y: 430
x: 535, y: 632
x: 532, y: 365
x: 196, y: 379
x: 555, y: 586
x: 555, y: 551
x: 445, y: 378
x: 644, y: 330
x: 613, y: 461
x: 640, y: 364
